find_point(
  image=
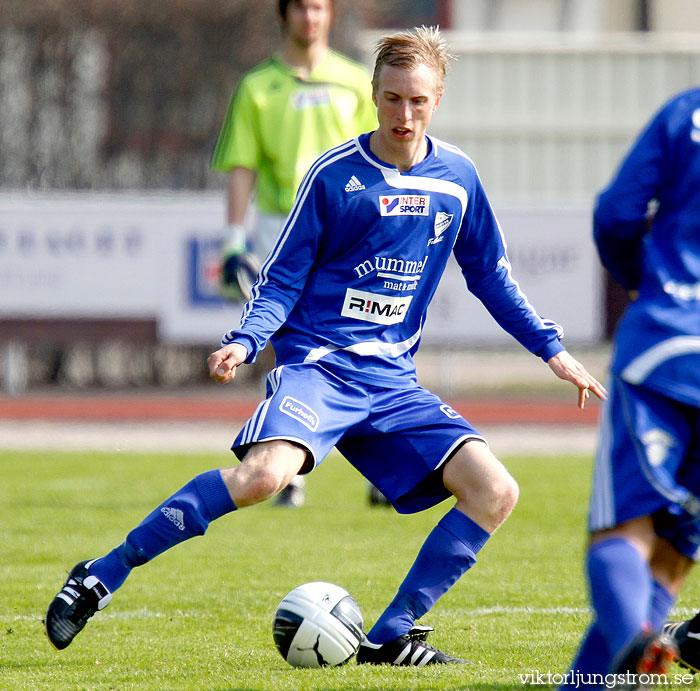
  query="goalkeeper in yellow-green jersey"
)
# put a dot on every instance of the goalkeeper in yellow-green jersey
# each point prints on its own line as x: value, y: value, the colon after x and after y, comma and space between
x: 284, y: 114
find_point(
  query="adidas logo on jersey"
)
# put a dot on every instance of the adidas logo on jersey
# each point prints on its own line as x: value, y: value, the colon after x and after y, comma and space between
x: 354, y: 185
x: 175, y: 516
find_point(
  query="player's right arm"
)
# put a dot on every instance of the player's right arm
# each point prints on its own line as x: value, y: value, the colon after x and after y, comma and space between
x: 285, y: 271
x: 241, y: 182
x: 620, y: 217
x: 237, y: 152
x: 238, y: 267
x: 223, y: 363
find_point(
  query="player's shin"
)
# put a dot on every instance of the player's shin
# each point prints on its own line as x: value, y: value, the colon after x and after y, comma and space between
x: 592, y: 658
x: 184, y: 515
x: 448, y: 552
x: 621, y: 590
x: 661, y: 603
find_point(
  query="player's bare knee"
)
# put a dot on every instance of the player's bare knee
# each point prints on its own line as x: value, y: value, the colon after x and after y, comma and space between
x: 251, y: 483
x: 498, y: 499
x: 508, y: 493
x: 260, y: 486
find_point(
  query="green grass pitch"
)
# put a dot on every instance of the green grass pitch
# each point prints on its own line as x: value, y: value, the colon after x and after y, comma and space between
x: 199, y: 617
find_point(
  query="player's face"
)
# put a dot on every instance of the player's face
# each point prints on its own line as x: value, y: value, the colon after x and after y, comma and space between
x: 308, y: 21
x: 406, y: 101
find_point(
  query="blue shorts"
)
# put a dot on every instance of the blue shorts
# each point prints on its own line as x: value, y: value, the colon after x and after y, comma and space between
x: 397, y: 438
x: 648, y: 464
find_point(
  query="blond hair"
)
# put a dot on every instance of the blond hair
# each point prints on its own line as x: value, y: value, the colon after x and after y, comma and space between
x: 408, y: 49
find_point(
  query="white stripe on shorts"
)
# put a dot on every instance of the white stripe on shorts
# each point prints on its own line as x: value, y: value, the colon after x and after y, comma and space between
x: 602, y: 505
x: 251, y: 431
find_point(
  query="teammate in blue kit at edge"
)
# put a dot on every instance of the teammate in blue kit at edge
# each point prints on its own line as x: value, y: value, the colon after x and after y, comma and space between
x: 343, y: 297
x: 645, y: 506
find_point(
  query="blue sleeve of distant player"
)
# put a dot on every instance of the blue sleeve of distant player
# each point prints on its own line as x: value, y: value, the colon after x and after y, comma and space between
x: 481, y: 253
x: 619, y: 219
x: 283, y: 275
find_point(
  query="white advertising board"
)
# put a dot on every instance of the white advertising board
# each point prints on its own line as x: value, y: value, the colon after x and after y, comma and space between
x: 555, y: 263
x: 135, y: 255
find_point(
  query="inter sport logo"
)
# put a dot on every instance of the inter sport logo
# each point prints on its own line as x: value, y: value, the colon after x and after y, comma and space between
x: 404, y: 205
x: 375, y: 308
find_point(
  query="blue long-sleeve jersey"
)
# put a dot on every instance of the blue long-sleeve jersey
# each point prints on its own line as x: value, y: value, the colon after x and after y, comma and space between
x: 358, y: 261
x: 657, y: 343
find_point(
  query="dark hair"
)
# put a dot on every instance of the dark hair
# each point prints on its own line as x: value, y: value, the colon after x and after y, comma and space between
x: 284, y: 6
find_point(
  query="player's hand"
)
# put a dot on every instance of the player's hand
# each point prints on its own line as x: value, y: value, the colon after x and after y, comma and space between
x: 224, y: 362
x: 239, y: 270
x: 569, y: 369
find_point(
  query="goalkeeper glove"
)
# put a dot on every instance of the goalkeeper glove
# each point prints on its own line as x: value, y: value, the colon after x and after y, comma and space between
x: 239, y: 268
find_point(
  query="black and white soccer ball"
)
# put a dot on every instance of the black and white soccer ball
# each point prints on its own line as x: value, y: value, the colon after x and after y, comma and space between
x: 318, y: 625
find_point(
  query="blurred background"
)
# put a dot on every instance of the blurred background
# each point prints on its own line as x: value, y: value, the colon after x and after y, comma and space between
x: 110, y: 215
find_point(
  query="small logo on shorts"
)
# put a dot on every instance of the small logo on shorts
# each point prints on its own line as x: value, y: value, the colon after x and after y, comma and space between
x: 300, y: 411
x: 657, y: 443
x: 450, y: 412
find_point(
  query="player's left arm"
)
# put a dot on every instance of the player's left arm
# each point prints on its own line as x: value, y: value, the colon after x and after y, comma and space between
x: 481, y: 253
x: 480, y: 250
x: 566, y: 367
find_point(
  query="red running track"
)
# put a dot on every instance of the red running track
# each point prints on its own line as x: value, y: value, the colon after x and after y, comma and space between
x: 202, y: 408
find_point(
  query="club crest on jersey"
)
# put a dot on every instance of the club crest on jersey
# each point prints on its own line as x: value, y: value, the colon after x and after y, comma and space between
x: 404, y: 205
x: 442, y: 223
x: 375, y: 308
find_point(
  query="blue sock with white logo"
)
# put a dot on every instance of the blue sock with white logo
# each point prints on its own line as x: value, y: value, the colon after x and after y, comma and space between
x: 621, y: 589
x: 185, y: 514
x: 448, y: 552
x: 661, y: 603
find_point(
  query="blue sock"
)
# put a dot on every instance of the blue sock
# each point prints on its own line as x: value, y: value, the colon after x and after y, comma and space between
x: 620, y: 587
x: 660, y: 606
x: 184, y: 515
x: 448, y: 552
x: 592, y: 658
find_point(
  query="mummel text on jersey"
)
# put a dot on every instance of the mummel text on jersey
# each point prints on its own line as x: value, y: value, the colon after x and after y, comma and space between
x: 349, y: 281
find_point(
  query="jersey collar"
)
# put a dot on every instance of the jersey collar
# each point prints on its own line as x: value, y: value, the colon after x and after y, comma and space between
x: 318, y: 74
x: 363, y: 146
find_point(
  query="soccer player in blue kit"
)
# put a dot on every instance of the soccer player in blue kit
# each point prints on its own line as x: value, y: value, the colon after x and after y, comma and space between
x: 343, y: 297
x: 645, y: 505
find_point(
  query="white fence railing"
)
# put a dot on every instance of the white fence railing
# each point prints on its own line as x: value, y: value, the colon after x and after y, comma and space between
x: 546, y: 118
